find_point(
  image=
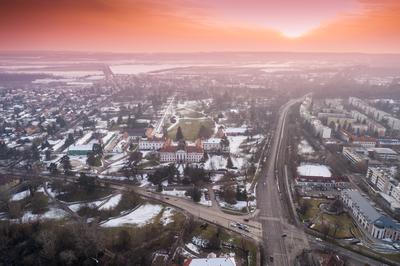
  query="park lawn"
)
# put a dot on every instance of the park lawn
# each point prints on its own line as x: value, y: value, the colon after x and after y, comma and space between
x: 314, y: 208
x: 191, y: 126
x: 344, y: 221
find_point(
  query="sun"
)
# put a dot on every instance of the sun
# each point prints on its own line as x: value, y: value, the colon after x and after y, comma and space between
x: 293, y: 34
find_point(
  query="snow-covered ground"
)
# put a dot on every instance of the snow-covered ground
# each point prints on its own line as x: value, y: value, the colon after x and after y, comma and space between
x: 20, y: 195
x: 216, y: 177
x: 192, y: 248
x: 57, y: 144
x: 314, y: 170
x: 115, y: 167
x: 237, y: 207
x: 198, y: 241
x: 93, y: 204
x: 143, y: 180
x: 203, y: 200
x: 119, y: 178
x: 304, y: 148
x: 177, y: 193
x: 52, y: 213
x: 111, y: 203
x: 215, y: 162
x: 234, y: 143
x: 167, y: 216
x: 141, y: 216
x: 239, y: 161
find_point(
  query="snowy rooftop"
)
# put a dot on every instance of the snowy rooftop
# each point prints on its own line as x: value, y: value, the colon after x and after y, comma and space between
x: 212, y: 140
x: 314, y: 170
x: 81, y: 147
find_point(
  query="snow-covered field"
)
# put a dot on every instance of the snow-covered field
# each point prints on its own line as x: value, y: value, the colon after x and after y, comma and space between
x: 314, y: 170
x: 215, y: 162
x: 234, y: 143
x: 52, y: 213
x: 304, y: 148
x: 177, y: 193
x: 20, y: 195
x: 141, y: 216
x: 111, y: 203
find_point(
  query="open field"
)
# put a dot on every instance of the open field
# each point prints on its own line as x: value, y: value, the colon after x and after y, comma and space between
x: 340, y: 226
x: 313, y: 210
x: 188, y: 113
x: 191, y: 126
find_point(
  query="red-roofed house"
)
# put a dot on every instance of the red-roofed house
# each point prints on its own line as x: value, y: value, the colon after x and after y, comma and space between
x: 181, y: 153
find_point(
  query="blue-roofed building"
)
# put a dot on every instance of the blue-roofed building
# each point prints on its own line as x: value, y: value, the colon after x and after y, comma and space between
x: 376, y: 224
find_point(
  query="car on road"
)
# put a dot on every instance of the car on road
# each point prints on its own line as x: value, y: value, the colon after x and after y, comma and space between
x: 318, y: 239
x: 284, y: 235
x: 246, y: 220
x: 271, y: 259
x: 243, y: 227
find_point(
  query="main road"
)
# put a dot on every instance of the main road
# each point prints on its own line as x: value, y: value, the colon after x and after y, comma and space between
x: 282, y: 241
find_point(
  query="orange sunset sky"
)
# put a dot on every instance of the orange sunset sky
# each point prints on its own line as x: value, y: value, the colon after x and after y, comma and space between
x: 371, y: 26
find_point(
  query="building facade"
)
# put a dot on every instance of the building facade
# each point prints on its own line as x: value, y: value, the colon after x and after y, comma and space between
x: 181, y: 153
x: 368, y: 218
